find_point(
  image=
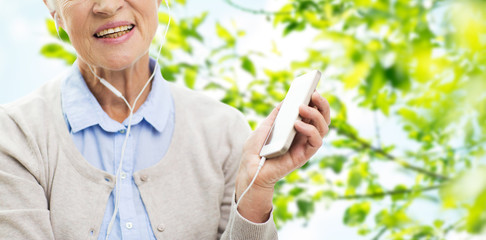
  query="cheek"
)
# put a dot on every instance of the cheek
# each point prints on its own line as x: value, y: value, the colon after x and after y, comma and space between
x: 149, y: 29
x: 79, y: 38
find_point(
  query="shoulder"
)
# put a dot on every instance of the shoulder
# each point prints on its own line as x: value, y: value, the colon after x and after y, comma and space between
x: 33, y: 115
x: 28, y: 122
x: 206, y: 109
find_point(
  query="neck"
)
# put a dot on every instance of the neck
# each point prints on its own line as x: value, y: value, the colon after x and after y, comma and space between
x: 129, y: 81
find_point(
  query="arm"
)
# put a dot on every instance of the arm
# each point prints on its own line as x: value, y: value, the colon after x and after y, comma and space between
x: 242, y: 228
x: 24, y: 210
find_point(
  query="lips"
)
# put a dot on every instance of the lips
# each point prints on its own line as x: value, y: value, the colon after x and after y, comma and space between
x: 113, y: 30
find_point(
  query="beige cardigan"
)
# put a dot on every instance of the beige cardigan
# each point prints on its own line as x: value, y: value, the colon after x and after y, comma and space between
x: 49, y: 191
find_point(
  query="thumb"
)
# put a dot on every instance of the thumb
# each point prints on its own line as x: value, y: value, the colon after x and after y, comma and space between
x: 260, y: 134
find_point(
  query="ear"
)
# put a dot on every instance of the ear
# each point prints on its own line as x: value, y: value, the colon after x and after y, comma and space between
x: 55, y: 15
x: 50, y: 6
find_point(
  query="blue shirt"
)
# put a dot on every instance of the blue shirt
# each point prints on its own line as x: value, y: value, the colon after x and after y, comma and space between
x: 100, y: 138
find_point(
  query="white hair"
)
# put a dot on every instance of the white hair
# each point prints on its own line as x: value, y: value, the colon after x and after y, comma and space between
x: 51, y: 4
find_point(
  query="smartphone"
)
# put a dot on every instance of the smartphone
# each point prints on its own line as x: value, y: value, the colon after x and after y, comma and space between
x: 282, y: 133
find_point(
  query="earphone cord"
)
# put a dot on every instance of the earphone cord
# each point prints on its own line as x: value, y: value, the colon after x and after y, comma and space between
x: 131, y: 108
x: 260, y: 165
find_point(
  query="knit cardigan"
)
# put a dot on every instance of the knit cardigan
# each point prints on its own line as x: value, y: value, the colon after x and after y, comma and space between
x: 49, y: 191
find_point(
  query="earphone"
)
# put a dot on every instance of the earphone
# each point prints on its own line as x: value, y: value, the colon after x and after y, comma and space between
x: 120, y: 95
x: 56, y: 24
x: 260, y: 165
x: 131, y: 108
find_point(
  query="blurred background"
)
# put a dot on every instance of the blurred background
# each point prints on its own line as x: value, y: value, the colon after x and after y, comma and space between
x: 406, y: 80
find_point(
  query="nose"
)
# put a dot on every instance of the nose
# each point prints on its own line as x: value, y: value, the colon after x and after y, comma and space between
x: 107, y: 7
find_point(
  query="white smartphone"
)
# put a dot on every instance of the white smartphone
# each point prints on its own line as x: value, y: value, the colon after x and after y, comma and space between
x: 283, y: 132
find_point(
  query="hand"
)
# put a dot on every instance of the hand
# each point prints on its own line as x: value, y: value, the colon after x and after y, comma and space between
x: 257, y: 203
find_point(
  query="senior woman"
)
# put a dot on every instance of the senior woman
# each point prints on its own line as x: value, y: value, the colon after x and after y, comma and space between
x: 61, y: 146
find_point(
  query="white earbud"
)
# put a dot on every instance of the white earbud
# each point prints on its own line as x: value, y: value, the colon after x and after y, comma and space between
x: 57, y: 25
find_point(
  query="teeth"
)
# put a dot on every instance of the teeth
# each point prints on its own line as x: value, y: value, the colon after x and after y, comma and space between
x: 114, y: 32
x: 115, y: 35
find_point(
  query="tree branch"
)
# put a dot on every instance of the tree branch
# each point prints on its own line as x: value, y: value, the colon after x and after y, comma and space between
x: 380, y: 233
x: 453, y: 226
x: 390, y: 157
x: 388, y: 193
x: 254, y: 11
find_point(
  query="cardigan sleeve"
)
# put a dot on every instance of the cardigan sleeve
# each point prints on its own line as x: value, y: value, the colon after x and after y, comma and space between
x: 24, y: 210
x: 230, y: 217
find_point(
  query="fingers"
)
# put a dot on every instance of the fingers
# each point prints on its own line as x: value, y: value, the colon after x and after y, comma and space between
x: 322, y: 105
x: 316, y: 119
x: 311, y: 132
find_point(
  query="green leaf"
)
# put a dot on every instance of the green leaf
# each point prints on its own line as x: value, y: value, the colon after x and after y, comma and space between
x: 164, y: 18
x: 224, y: 34
x: 296, y: 191
x: 375, y: 189
x: 51, y: 28
x: 354, y: 178
x: 334, y: 162
x: 248, y: 66
x: 363, y: 231
x: 438, y: 223
x: 468, y: 189
x: 358, y: 74
x: 169, y: 72
x: 399, y: 196
x: 346, y: 143
x: 190, y: 77
x: 305, y: 207
x: 392, y: 220
x: 356, y: 213
x: 294, y: 26
x: 281, y: 211
x: 54, y: 50
x: 199, y: 19
x: 212, y: 86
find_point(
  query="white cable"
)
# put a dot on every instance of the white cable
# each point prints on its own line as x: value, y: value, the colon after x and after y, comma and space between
x: 131, y: 108
x: 260, y: 165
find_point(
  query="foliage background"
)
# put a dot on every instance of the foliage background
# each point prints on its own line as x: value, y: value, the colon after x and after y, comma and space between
x: 405, y: 158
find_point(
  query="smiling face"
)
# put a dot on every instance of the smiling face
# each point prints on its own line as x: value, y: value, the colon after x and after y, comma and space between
x: 112, y: 34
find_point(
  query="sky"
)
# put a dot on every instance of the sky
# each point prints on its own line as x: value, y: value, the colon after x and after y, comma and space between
x: 23, y: 69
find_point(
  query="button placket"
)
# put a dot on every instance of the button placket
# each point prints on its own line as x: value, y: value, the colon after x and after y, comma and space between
x: 127, y: 213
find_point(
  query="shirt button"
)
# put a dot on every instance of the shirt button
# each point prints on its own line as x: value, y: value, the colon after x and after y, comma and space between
x: 129, y: 225
x: 123, y: 175
x: 122, y: 131
x: 161, y: 228
x: 144, y: 178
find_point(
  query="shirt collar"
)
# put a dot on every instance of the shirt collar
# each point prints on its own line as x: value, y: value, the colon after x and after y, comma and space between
x: 82, y: 110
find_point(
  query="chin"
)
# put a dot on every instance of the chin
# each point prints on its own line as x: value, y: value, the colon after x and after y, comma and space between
x: 118, y: 62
